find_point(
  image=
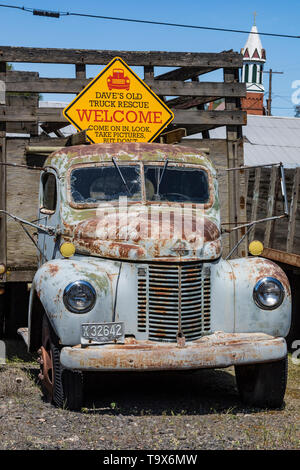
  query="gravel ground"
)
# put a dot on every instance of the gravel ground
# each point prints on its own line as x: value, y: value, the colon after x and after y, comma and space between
x: 152, y: 411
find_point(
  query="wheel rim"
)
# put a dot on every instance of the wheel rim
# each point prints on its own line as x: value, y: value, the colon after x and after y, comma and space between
x: 46, y: 366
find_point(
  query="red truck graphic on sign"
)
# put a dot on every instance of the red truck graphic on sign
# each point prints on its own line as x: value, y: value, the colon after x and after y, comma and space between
x: 118, y: 81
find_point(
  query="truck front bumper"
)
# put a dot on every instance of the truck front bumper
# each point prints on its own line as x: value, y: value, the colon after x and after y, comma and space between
x: 213, y: 351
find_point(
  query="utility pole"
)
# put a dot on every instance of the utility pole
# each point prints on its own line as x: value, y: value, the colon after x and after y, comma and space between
x: 269, y: 100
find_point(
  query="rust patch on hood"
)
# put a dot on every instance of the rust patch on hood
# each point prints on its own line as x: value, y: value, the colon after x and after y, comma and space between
x: 211, y: 231
x: 53, y: 269
x: 138, y: 237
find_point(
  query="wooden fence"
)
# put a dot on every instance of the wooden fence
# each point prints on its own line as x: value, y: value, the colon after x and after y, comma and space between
x: 183, y: 89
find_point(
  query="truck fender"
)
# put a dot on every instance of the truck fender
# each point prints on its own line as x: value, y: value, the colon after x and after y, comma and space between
x: 249, y: 318
x: 47, y: 291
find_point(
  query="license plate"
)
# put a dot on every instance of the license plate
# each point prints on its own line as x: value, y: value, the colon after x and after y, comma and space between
x: 102, y: 332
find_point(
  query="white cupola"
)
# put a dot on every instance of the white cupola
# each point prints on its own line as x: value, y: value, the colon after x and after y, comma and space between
x: 254, y: 57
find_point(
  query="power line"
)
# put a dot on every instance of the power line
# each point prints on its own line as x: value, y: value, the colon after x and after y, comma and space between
x: 58, y: 14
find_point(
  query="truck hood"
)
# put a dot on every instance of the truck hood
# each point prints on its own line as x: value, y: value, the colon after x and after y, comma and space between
x: 168, y: 234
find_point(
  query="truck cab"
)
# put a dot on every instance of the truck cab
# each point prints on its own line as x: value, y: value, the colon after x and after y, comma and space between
x: 117, y: 81
x: 131, y: 275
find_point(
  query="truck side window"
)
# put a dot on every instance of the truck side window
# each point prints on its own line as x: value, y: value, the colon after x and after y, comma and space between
x: 49, y: 192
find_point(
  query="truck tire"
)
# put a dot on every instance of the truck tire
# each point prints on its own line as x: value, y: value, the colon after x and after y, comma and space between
x: 72, y: 389
x: 61, y: 387
x: 262, y: 385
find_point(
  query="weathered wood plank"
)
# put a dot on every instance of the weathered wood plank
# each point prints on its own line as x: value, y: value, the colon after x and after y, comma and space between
x: 2, y: 203
x: 255, y: 200
x: 185, y: 73
x: 102, y: 57
x: 29, y: 102
x: 279, y: 241
x: 21, y: 275
x: 167, y: 88
x: 271, y: 201
x: 232, y: 136
x: 77, y: 139
x: 195, y: 129
x: 177, y: 88
x: 209, y: 117
x: 15, y: 76
x: 187, y: 102
x: 293, y: 211
x: 31, y: 114
x: 282, y: 257
x: 21, y: 200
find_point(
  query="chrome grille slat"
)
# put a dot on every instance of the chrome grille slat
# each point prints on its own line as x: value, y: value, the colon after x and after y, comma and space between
x: 142, y: 304
x: 163, y: 303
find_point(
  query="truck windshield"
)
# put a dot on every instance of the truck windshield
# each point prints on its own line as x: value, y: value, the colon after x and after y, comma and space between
x: 176, y: 185
x: 103, y: 183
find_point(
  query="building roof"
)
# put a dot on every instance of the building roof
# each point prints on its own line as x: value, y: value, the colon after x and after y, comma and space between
x: 268, y: 139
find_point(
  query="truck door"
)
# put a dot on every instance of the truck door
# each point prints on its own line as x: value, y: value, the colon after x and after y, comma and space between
x: 48, y: 215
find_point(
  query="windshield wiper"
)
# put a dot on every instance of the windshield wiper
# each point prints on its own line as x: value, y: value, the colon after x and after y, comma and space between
x: 121, y: 176
x: 157, y: 195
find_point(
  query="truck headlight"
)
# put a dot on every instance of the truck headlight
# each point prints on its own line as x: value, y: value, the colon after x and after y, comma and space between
x: 268, y: 293
x: 79, y: 297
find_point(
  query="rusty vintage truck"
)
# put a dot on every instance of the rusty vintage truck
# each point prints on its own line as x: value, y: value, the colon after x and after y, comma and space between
x: 131, y: 276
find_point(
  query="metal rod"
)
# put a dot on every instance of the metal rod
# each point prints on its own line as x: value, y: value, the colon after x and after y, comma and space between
x: 160, y: 179
x: 121, y: 176
x: 33, y: 241
x: 255, y: 222
x: 48, y: 230
x: 283, y: 190
x: 246, y: 167
x: 22, y: 166
x: 240, y: 241
x: 163, y: 172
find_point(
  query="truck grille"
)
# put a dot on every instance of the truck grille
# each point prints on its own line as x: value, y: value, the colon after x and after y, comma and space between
x: 164, y: 302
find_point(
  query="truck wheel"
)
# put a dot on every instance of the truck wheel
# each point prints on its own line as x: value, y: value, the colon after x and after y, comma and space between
x: 262, y: 385
x: 64, y: 388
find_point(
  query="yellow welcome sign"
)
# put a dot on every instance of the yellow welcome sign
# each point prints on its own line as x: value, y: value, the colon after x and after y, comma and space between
x: 117, y: 106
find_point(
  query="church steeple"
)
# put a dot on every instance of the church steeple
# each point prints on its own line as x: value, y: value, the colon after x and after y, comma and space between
x: 254, y: 57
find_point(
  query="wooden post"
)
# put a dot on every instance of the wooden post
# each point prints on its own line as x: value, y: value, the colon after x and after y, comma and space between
x: 255, y: 201
x: 148, y: 72
x: 235, y: 157
x: 3, y: 184
x: 80, y: 71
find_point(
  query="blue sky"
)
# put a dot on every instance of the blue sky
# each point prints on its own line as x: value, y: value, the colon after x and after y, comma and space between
x: 19, y: 28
